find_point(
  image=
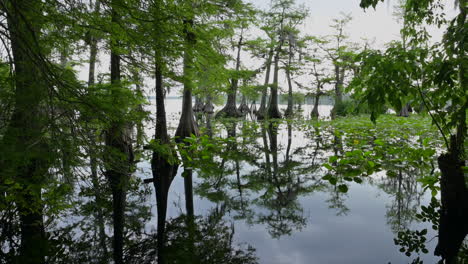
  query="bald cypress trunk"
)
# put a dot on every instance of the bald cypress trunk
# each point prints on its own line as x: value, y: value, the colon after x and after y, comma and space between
x: 187, y: 125
x: 230, y: 109
x: 261, y: 113
x: 339, y: 80
x: 164, y: 168
x: 273, y: 110
x: 315, y: 112
x: 289, y: 110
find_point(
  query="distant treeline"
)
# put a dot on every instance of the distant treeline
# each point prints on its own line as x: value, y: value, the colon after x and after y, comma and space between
x: 283, y: 99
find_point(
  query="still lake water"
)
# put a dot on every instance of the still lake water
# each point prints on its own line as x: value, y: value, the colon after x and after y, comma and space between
x: 300, y: 218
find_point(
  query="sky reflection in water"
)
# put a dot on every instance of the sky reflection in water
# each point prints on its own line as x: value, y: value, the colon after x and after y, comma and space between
x: 356, y: 230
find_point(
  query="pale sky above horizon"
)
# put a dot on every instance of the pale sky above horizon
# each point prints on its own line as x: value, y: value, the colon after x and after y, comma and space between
x: 379, y: 26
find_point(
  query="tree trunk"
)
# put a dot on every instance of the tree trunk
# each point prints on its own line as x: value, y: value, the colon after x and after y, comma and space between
x: 338, y: 89
x: 273, y: 110
x: 315, y: 112
x: 93, y: 151
x: 164, y: 170
x: 243, y: 108
x: 187, y: 125
x: 119, y: 158
x: 404, y: 111
x: 266, y: 150
x: 453, y: 221
x: 261, y: 113
x: 230, y: 110
x: 24, y: 151
x: 289, y: 110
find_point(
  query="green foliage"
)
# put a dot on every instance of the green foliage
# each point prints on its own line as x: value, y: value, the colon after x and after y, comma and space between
x: 370, y: 148
x: 412, y: 241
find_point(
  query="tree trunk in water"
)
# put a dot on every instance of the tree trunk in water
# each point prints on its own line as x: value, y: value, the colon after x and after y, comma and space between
x: 289, y: 110
x: 198, y: 107
x: 453, y: 221
x: 208, y: 108
x: 273, y: 110
x: 315, y: 112
x: 230, y: 110
x: 243, y: 108
x: 164, y: 170
x: 119, y: 159
x: 266, y: 150
x: 187, y: 125
x: 261, y: 113
x: 404, y: 110
x: 338, y: 90
x: 273, y: 136
x: 24, y: 155
x: 288, y: 147
x: 188, y: 188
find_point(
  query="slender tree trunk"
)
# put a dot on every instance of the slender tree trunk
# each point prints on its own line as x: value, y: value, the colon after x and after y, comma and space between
x: 140, y: 130
x: 164, y: 170
x: 119, y: 158
x: 24, y: 151
x: 273, y: 110
x: 289, y: 110
x: 273, y: 136
x: 187, y: 125
x: 93, y: 50
x: 266, y: 150
x: 338, y: 89
x: 315, y: 112
x: 288, y: 147
x: 261, y: 113
x: 230, y: 110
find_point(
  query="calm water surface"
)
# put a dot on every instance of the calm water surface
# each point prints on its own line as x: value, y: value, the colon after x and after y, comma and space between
x: 290, y: 215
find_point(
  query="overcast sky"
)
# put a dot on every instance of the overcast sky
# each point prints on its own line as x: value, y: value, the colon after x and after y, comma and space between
x: 379, y: 24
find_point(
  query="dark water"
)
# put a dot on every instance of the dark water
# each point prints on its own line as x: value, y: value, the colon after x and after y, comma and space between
x: 279, y: 204
x: 259, y: 197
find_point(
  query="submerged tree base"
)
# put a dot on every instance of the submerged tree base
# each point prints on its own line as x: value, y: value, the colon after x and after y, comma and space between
x: 453, y: 222
x: 229, y: 111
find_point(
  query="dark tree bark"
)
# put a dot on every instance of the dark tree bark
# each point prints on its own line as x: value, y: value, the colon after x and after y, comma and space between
x: 273, y: 109
x: 198, y: 107
x: 289, y: 109
x: 339, y: 80
x: 261, y: 113
x: 273, y: 137
x: 119, y: 159
x: 453, y: 221
x: 243, y: 107
x: 315, y: 112
x: 208, y: 108
x: 164, y: 170
x: 187, y: 125
x: 266, y: 150
x: 24, y: 155
x: 404, y: 111
x: 230, y: 109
